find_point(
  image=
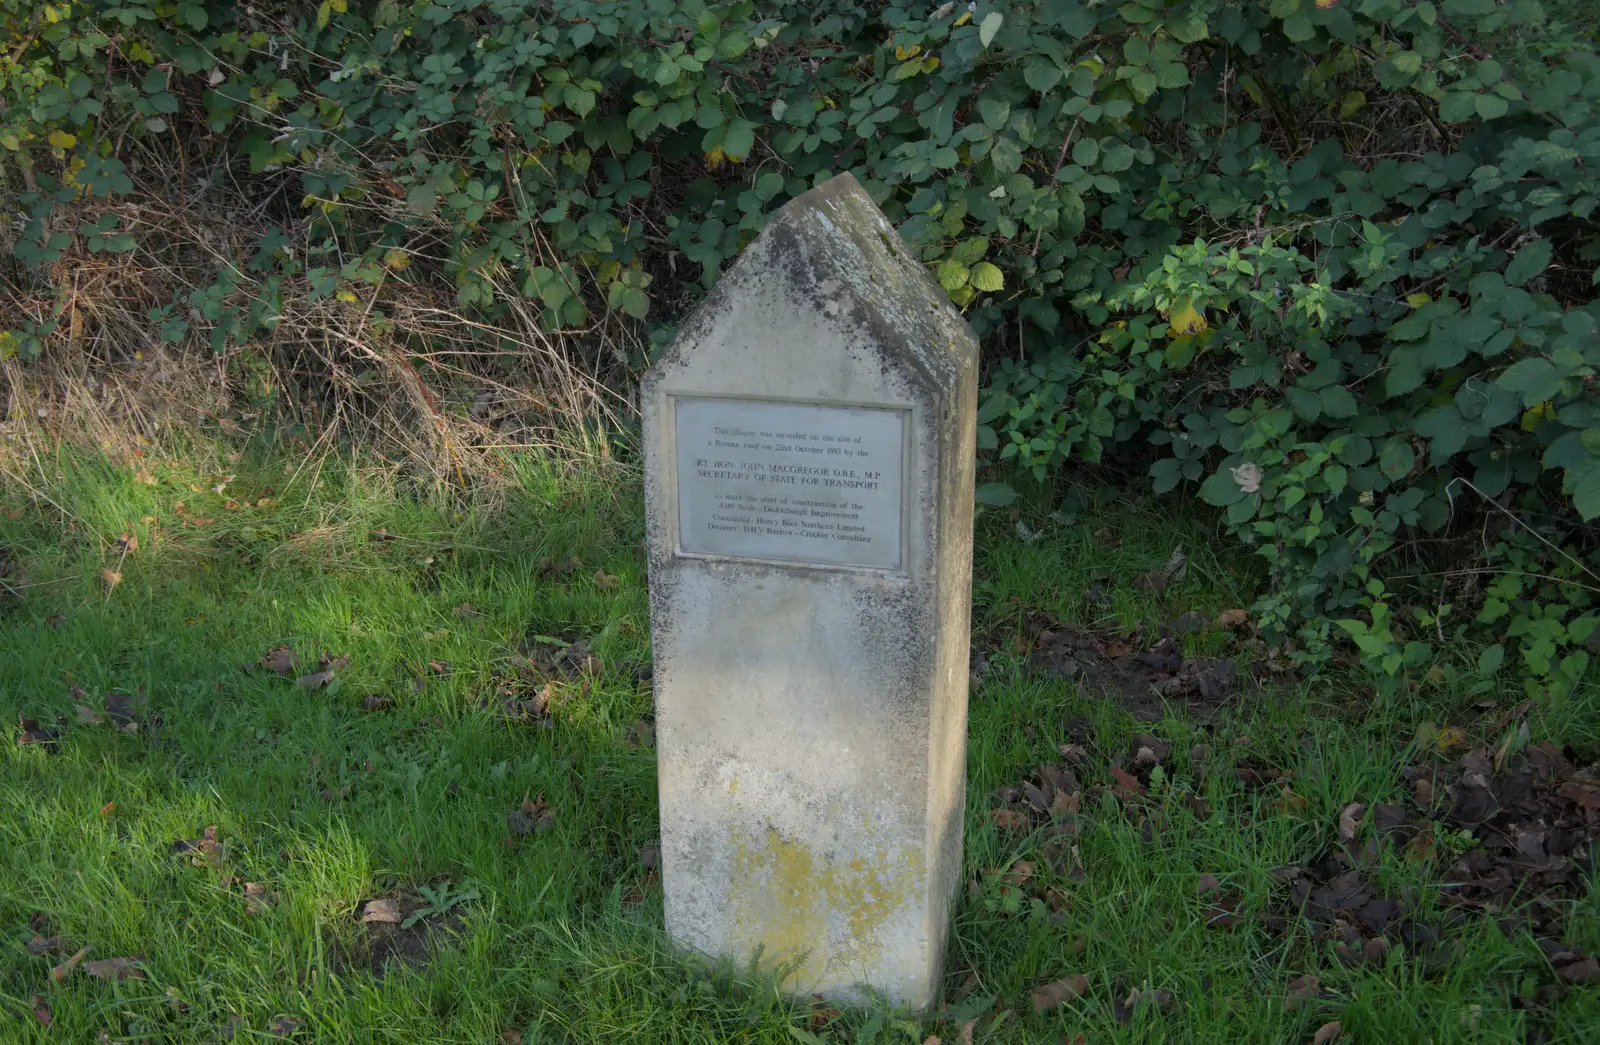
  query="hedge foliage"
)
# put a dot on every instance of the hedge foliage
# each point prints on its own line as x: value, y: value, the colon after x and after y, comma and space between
x: 1326, y: 264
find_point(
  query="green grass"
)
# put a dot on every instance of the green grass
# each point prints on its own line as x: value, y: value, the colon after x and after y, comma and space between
x: 344, y: 559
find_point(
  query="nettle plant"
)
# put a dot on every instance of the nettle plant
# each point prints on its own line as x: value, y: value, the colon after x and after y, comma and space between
x: 1327, y: 263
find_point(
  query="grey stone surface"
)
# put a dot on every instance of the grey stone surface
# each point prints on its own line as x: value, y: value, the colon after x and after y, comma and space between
x: 808, y: 462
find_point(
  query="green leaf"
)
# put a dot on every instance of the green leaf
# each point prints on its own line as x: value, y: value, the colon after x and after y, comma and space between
x: 1492, y: 106
x: 1006, y: 155
x: 1187, y: 29
x: 1398, y: 459
x: 636, y: 303
x: 1536, y: 378
x: 1298, y: 28
x: 1404, y: 375
x: 987, y: 277
x: 994, y: 112
x: 1337, y: 402
x: 953, y: 275
x: 1458, y: 107
x: 1042, y: 74
x: 578, y: 100
x: 1531, y: 260
x: 1086, y: 152
x: 739, y: 139
x: 1586, y: 489
x: 995, y: 495
x: 989, y: 27
x: 1489, y: 660
x: 1220, y: 489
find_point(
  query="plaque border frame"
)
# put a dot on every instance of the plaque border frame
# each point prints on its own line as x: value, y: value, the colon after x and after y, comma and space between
x: 669, y: 464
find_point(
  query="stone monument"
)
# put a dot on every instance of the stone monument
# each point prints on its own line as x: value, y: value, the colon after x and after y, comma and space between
x: 808, y: 473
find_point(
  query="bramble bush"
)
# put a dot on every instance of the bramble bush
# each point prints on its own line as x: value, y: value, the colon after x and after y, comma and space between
x: 1327, y: 265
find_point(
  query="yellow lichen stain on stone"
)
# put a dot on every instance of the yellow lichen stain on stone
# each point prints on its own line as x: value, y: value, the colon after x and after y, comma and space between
x: 805, y: 914
x: 733, y: 785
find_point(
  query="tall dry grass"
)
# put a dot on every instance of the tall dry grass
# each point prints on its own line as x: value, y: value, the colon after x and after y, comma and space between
x: 400, y: 370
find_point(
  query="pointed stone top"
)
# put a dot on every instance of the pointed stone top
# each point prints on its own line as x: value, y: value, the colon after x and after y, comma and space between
x: 830, y: 268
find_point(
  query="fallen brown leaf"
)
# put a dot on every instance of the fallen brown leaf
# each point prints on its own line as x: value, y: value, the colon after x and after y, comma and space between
x: 605, y: 581
x: 1581, y: 789
x: 1327, y: 1032
x: 1197, y: 806
x: 1125, y: 785
x: 1350, y: 821
x: 108, y: 809
x: 128, y: 543
x: 1019, y: 874
x: 1009, y: 820
x: 535, y: 817
x: 510, y: 1036
x: 280, y: 659
x: 647, y: 883
x: 1586, y: 971
x: 1301, y: 991
x: 383, y: 911
x: 1053, y: 994
x: 41, y: 1010
x: 110, y: 579
x: 256, y: 899
x: 46, y: 737
x: 285, y: 1027
x: 1422, y: 790
x: 116, y: 968
x: 1208, y: 883
x: 377, y: 702
x: 1064, y: 805
x: 1230, y: 619
x: 1290, y: 802
x: 318, y: 679
x: 40, y: 946
x: 966, y: 1031
x: 205, y: 850
x: 62, y: 971
x: 465, y: 610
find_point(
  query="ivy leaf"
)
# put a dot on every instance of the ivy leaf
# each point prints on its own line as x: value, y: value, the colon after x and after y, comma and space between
x: 987, y: 277
x: 1529, y: 262
x: 1536, y: 378
x: 989, y: 27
